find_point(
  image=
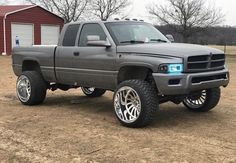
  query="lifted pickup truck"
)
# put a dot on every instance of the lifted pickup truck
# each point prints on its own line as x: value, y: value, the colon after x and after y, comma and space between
x: 131, y: 58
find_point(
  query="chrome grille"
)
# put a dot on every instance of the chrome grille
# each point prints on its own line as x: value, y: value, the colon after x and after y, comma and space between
x: 205, y: 62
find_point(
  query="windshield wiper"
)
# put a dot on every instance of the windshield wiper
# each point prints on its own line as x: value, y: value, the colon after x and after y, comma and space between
x: 158, y: 40
x: 133, y: 41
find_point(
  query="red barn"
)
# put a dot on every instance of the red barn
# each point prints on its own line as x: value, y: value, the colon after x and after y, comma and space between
x: 27, y: 25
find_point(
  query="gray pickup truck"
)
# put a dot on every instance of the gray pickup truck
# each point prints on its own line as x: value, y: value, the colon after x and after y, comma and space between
x: 131, y: 58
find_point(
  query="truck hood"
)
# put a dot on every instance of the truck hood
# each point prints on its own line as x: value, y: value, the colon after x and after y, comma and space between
x: 168, y: 49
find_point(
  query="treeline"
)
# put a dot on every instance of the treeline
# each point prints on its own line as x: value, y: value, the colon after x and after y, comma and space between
x: 213, y: 35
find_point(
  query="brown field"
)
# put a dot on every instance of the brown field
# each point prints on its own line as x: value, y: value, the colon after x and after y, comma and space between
x: 230, y: 50
x: 70, y: 127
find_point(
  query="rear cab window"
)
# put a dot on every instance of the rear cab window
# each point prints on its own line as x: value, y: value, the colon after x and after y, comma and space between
x: 70, y: 35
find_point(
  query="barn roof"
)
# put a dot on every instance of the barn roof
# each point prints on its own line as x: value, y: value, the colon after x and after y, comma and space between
x: 12, y: 8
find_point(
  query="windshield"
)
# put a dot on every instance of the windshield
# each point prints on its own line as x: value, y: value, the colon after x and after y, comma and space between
x: 135, y: 33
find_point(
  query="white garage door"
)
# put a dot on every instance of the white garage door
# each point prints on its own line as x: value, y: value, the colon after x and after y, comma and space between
x: 24, y: 32
x: 49, y: 34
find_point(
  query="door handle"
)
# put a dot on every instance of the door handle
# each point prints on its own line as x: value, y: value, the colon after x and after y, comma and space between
x: 76, y: 53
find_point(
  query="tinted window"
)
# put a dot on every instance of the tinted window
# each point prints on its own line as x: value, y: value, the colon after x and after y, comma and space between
x: 70, y: 35
x: 91, y: 29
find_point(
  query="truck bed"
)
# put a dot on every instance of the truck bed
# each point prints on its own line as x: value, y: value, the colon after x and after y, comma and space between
x: 43, y: 55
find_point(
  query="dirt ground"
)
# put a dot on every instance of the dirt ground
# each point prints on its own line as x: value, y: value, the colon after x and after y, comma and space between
x: 70, y: 127
x: 230, y: 50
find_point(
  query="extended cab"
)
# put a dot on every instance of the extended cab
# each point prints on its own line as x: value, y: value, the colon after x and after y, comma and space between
x: 131, y: 58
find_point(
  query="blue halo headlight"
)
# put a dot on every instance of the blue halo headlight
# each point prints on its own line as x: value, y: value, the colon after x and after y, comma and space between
x: 175, y: 68
x: 171, y: 68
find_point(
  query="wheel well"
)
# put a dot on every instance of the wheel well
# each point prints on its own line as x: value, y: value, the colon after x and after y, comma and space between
x: 29, y: 65
x: 134, y: 72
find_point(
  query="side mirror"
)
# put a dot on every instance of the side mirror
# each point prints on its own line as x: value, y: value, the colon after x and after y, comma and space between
x: 170, y: 38
x: 94, y: 40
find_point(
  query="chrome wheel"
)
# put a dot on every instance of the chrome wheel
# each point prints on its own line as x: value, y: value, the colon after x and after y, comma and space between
x: 127, y: 104
x: 23, y: 88
x: 196, y: 100
x: 88, y: 90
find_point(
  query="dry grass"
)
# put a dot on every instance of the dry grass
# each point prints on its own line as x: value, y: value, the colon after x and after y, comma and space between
x: 230, y: 50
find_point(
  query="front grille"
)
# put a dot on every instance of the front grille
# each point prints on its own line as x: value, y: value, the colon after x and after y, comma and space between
x: 205, y: 62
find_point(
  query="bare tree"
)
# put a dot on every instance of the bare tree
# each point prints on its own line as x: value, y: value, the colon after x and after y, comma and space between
x: 104, y: 9
x: 187, y: 17
x: 70, y: 10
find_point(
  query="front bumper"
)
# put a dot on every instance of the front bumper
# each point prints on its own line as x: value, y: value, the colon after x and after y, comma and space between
x: 179, y: 84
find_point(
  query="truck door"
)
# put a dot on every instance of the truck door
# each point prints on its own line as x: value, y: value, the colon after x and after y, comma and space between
x: 64, y: 64
x: 91, y: 66
x: 95, y: 65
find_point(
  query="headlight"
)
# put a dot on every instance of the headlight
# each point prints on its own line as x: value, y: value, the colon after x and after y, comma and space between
x: 171, y: 68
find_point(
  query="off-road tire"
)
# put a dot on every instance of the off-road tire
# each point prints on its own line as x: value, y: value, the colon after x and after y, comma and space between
x: 212, y: 99
x: 96, y: 93
x: 149, y: 102
x: 38, y: 88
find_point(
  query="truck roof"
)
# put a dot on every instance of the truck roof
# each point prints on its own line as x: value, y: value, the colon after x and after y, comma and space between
x: 108, y: 21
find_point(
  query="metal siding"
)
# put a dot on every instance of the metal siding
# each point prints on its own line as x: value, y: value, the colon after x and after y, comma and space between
x: 36, y: 16
x: 25, y: 32
x: 50, y: 34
